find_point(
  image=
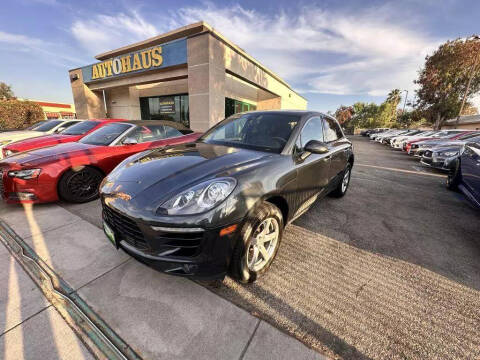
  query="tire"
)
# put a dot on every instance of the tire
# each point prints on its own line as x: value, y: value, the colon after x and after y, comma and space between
x: 454, y: 176
x: 80, y: 186
x: 248, y: 264
x: 342, y: 188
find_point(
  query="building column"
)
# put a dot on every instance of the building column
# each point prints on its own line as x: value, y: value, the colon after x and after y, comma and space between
x: 88, y: 104
x: 206, y: 82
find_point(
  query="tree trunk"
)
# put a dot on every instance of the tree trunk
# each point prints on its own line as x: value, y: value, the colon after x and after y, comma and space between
x: 438, y: 122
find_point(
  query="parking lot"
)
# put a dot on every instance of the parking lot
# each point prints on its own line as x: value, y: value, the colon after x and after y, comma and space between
x: 391, y: 270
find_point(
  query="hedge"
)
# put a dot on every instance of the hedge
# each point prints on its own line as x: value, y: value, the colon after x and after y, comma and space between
x: 15, y: 114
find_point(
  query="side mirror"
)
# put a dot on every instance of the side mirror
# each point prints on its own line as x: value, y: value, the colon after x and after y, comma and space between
x: 60, y: 129
x: 316, y: 147
x: 130, y: 141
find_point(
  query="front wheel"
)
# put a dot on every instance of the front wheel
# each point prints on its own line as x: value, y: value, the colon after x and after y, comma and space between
x: 258, y: 244
x: 454, y: 176
x: 81, y: 185
x: 342, y: 186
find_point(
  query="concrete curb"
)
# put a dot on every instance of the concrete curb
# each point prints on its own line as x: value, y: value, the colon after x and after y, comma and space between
x: 99, y: 338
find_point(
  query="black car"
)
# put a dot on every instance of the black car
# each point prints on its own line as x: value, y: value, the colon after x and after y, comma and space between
x: 220, y: 204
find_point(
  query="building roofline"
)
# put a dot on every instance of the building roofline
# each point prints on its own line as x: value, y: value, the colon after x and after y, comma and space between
x: 189, y: 31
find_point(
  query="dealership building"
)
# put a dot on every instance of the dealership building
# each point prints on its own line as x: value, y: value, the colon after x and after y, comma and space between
x: 193, y: 75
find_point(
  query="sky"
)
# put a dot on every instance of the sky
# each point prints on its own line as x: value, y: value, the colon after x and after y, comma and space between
x: 332, y: 52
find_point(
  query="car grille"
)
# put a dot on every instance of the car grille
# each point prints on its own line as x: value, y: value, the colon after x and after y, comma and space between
x: 126, y: 228
x: 181, y: 244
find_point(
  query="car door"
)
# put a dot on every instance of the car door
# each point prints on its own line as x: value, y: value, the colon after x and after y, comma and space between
x: 312, y: 169
x: 471, y: 168
x: 339, y: 148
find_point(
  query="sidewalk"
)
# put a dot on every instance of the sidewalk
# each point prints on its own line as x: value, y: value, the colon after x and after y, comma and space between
x: 159, y: 316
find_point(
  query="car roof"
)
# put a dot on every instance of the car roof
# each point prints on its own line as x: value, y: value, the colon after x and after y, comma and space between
x: 300, y: 113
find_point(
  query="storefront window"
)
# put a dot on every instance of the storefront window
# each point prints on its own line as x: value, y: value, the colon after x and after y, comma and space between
x: 173, y: 108
x: 233, y: 106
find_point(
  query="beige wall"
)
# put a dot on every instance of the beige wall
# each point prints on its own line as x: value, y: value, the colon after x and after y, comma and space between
x: 475, y: 126
x: 88, y: 104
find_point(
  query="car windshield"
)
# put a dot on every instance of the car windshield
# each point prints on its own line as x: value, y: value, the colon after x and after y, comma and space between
x: 47, y: 125
x: 148, y: 133
x: 105, y: 135
x: 258, y: 131
x: 80, y: 128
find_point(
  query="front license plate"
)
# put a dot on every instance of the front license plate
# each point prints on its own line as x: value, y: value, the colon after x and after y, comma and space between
x: 110, y: 234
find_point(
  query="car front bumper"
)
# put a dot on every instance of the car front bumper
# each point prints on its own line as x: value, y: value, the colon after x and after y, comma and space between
x: 32, y: 191
x: 192, y: 251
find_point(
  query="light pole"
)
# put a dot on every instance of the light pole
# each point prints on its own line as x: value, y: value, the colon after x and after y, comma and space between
x: 474, y: 68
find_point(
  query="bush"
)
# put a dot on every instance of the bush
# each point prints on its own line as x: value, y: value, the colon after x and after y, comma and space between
x: 15, y: 114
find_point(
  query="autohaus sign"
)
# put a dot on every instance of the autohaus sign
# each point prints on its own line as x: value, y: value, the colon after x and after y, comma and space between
x: 156, y: 57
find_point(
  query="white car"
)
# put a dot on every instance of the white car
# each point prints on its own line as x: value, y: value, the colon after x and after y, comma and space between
x: 398, y: 142
x: 42, y: 128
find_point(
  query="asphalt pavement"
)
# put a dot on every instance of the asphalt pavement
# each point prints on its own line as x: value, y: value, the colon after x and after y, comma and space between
x: 389, y: 271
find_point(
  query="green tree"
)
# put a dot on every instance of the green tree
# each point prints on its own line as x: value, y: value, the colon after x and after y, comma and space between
x: 6, y: 91
x: 16, y: 114
x: 443, y: 80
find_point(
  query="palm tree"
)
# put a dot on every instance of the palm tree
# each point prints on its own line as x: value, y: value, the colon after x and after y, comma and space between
x: 394, y: 97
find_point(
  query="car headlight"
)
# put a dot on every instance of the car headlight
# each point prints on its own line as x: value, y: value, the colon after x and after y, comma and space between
x: 450, y: 153
x: 8, y: 152
x: 199, y: 198
x: 5, y: 142
x: 25, y: 174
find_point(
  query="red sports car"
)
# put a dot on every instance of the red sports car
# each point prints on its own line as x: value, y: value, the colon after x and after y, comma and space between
x: 71, y: 134
x: 73, y: 171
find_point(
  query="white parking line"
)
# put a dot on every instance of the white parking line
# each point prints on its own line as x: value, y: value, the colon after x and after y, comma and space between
x: 402, y: 170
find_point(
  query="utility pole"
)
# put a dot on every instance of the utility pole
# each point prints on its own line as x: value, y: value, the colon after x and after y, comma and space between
x: 405, y: 102
x: 467, y: 90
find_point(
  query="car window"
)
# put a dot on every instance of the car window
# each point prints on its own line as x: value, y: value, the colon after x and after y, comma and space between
x: 80, y: 128
x: 105, y: 135
x: 149, y: 133
x: 332, y: 130
x: 262, y: 131
x: 66, y: 125
x: 313, y: 130
x: 47, y: 125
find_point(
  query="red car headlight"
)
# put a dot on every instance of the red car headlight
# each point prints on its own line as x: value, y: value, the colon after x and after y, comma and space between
x: 25, y: 174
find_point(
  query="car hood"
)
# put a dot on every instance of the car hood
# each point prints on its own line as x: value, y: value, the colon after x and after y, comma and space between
x: 39, y: 156
x: 19, y: 135
x: 161, y: 172
x: 44, y: 140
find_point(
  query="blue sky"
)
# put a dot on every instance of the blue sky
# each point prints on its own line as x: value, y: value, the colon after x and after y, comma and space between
x: 332, y: 52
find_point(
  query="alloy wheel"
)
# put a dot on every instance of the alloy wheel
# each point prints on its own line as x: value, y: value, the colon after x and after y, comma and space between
x: 346, y: 180
x: 84, y: 184
x: 262, y: 244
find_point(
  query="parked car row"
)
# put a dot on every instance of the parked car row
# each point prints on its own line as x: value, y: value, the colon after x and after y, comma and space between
x: 185, y: 203
x: 455, y: 151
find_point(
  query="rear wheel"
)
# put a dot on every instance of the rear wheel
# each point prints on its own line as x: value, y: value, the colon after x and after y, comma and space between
x: 454, y: 176
x: 80, y: 186
x: 258, y: 243
x: 342, y: 186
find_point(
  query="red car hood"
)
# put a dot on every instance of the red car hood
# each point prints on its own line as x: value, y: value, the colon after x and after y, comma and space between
x: 41, y: 141
x: 52, y: 153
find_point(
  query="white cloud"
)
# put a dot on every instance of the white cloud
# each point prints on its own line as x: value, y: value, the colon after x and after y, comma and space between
x: 56, y: 54
x: 106, y: 32
x: 317, y: 50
